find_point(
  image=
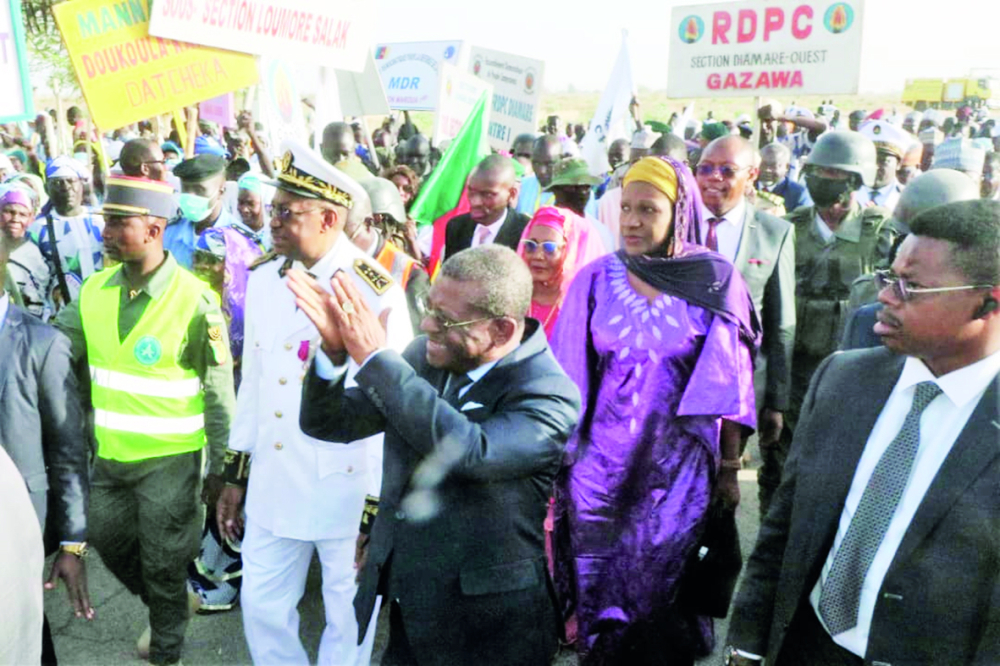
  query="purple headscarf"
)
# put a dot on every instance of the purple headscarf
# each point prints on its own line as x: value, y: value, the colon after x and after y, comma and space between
x: 17, y: 195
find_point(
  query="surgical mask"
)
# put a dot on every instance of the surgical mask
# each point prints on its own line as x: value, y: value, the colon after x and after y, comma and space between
x: 826, y: 192
x: 170, y: 164
x: 194, y: 207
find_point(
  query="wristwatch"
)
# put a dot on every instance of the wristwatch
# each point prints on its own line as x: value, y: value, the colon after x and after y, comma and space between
x: 78, y: 548
x: 734, y: 658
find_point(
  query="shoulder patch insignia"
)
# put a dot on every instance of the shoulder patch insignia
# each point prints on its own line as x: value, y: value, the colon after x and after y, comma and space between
x: 263, y: 259
x: 376, y: 279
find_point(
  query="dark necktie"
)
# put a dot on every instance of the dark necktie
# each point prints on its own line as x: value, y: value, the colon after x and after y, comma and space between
x: 455, y: 384
x: 712, y: 238
x: 841, y: 594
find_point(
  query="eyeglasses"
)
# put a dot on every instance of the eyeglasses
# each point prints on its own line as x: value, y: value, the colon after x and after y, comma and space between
x: 726, y: 171
x: 446, y: 323
x: 904, y: 292
x: 154, y: 162
x: 286, y: 214
x: 548, y: 247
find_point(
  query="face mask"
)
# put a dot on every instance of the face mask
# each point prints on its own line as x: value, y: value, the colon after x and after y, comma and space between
x: 170, y: 164
x: 195, y: 208
x: 826, y: 192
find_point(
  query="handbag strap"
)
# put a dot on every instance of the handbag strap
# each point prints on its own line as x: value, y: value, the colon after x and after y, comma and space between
x: 56, y: 259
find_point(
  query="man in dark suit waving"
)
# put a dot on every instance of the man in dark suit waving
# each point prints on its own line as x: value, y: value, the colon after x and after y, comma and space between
x: 475, y: 415
x: 762, y: 247
x: 881, y: 544
x: 493, y: 189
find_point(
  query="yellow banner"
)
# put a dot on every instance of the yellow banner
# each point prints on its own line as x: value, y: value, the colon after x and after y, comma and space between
x: 126, y: 75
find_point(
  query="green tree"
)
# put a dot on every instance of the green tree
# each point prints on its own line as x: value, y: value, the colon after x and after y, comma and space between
x: 49, y: 62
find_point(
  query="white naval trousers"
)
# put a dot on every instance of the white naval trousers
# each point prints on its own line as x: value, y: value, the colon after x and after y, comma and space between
x: 274, y: 580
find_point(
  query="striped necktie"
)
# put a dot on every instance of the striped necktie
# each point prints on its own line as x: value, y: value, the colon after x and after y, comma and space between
x: 841, y: 594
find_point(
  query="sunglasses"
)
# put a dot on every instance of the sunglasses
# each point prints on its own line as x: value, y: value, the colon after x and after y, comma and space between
x: 548, y: 247
x: 902, y: 290
x: 726, y: 171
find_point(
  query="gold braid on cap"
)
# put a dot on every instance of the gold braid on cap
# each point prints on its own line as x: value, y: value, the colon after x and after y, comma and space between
x: 295, y: 177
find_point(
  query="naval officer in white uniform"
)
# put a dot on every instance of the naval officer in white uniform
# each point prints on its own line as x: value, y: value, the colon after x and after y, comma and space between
x: 301, y: 498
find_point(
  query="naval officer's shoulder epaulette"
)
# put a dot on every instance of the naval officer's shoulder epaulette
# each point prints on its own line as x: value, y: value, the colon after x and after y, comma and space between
x: 377, y: 279
x: 265, y: 258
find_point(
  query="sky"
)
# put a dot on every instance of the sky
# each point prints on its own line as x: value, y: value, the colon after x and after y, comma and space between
x: 579, y: 40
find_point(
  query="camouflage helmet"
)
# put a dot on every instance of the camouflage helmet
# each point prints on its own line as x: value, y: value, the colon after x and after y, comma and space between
x: 846, y: 151
x: 385, y: 198
x: 934, y: 188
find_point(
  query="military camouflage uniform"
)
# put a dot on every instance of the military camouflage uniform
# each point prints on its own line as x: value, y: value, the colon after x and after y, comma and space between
x: 824, y: 274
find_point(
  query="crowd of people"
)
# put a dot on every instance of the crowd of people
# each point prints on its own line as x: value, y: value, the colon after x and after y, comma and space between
x: 221, y: 362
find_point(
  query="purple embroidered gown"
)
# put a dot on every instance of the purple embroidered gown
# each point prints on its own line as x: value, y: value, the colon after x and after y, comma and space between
x: 639, y: 471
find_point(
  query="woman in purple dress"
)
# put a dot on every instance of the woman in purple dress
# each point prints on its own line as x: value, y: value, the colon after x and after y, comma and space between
x: 660, y: 339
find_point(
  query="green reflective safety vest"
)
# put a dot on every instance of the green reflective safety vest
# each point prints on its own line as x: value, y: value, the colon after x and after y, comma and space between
x: 145, y: 404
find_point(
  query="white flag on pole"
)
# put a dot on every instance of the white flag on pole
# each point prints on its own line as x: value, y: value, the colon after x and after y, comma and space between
x: 610, y: 121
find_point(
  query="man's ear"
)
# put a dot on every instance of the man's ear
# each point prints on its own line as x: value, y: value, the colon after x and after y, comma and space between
x: 154, y: 229
x: 504, y: 330
x: 333, y: 218
x: 515, y: 191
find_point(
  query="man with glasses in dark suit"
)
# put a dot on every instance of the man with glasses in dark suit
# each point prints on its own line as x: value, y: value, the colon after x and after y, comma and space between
x: 476, y: 415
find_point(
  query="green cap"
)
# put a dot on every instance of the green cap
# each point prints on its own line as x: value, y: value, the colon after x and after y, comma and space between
x: 572, y: 171
x: 200, y: 167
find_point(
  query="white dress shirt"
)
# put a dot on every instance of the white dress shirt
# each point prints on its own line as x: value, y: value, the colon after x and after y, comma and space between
x: 728, y: 232
x: 887, y: 196
x: 492, y: 229
x: 940, y: 425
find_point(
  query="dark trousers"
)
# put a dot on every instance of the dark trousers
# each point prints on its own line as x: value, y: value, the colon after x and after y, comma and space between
x: 397, y: 652
x: 807, y: 642
x: 48, y: 647
x: 770, y: 473
x: 145, y: 522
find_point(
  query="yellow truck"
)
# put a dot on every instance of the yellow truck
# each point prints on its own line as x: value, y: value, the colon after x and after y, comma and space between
x: 924, y: 94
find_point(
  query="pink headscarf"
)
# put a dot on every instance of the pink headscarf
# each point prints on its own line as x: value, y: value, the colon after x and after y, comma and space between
x: 582, y: 247
x: 17, y: 195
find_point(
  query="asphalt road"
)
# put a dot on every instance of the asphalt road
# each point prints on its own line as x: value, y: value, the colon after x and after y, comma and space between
x: 218, y: 639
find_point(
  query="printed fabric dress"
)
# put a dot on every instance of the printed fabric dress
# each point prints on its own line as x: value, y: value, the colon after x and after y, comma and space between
x: 639, y: 472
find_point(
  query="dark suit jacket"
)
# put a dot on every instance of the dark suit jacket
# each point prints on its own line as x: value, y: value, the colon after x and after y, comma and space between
x: 793, y: 193
x: 766, y: 259
x: 458, y: 234
x: 940, y: 600
x: 471, y: 580
x: 858, y: 333
x: 42, y: 426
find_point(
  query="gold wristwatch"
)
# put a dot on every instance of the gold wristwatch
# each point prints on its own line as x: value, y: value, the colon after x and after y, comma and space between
x: 79, y: 549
